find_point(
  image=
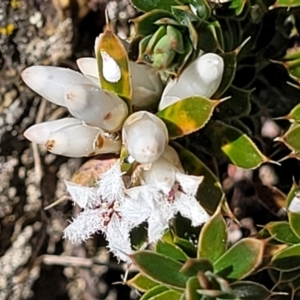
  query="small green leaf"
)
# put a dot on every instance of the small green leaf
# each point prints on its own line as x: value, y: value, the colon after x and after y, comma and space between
x: 236, y: 106
x: 141, y: 283
x: 213, y: 237
x: 292, y: 138
x: 287, y: 259
x: 146, y: 5
x: 187, y: 246
x: 187, y: 115
x: 145, y: 24
x: 238, y: 6
x: 157, y: 290
x: 285, y: 3
x: 226, y: 140
x: 282, y: 232
x: 167, y: 295
x: 210, y: 190
x: 202, y: 7
x: 241, y: 259
x: 230, y: 63
x: 294, y: 115
x: 295, y: 190
x: 248, y: 290
x: 192, y: 286
x: 193, y: 266
x: 294, y: 220
x: 160, y: 268
x: 108, y: 45
x: 170, y: 250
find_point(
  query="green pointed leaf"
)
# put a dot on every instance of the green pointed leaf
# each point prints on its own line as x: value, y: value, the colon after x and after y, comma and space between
x: 192, y: 286
x: 108, y: 44
x: 294, y: 220
x: 157, y: 290
x: 193, y: 266
x: 230, y: 63
x: 160, y: 268
x: 295, y: 190
x: 224, y: 140
x: 170, y: 250
x: 248, y: 290
x: 213, y: 237
x: 145, y: 24
x: 160, y: 32
x: 187, y: 115
x: 241, y: 259
x: 167, y: 295
x: 236, y: 106
x: 238, y: 6
x: 293, y: 68
x: 210, y: 190
x: 168, y: 21
x: 287, y: 259
x: 187, y: 246
x: 294, y: 115
x: 181, y: 60
x: 285, y: 3
x: 175, y: 39
x: 141, y: 283
x: 202, y: 7
x: 146, y: 5
x: 282, y: 232
x: 292, y: 138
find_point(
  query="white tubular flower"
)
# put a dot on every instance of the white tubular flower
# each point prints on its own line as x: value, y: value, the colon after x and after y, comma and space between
x: 201, y: 78
x: 178, y: 195
x: 146, y: 83
x: 96, y: 107
x: 161, y: 174
x: 145, y: 136
x: 294, y: 205
x: 52, y: 83
x: 147, y: 86
x: 70, y: 137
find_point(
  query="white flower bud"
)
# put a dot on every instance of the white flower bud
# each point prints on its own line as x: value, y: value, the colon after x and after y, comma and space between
x: 146, y: 86
x: 52, y: 82
x: 88, y: 66
x: 145, y: 136
x: 96, y: 107
x: 201, y: 78
x: 161, y: 174
x: 146, y: 83
x: 69, y: 137
x: 172, y: 156
x: 38, y: 133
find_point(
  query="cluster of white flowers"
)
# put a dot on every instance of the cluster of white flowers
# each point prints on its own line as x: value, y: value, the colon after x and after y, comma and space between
x: 101, y: 125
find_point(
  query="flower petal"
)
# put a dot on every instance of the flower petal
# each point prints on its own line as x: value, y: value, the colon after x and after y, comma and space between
x: 117, y: 235
x: 189, y: 207
x: 83, y: 226
x: 111, y: 185
x: 189, y: 183
x: 83, y: 196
